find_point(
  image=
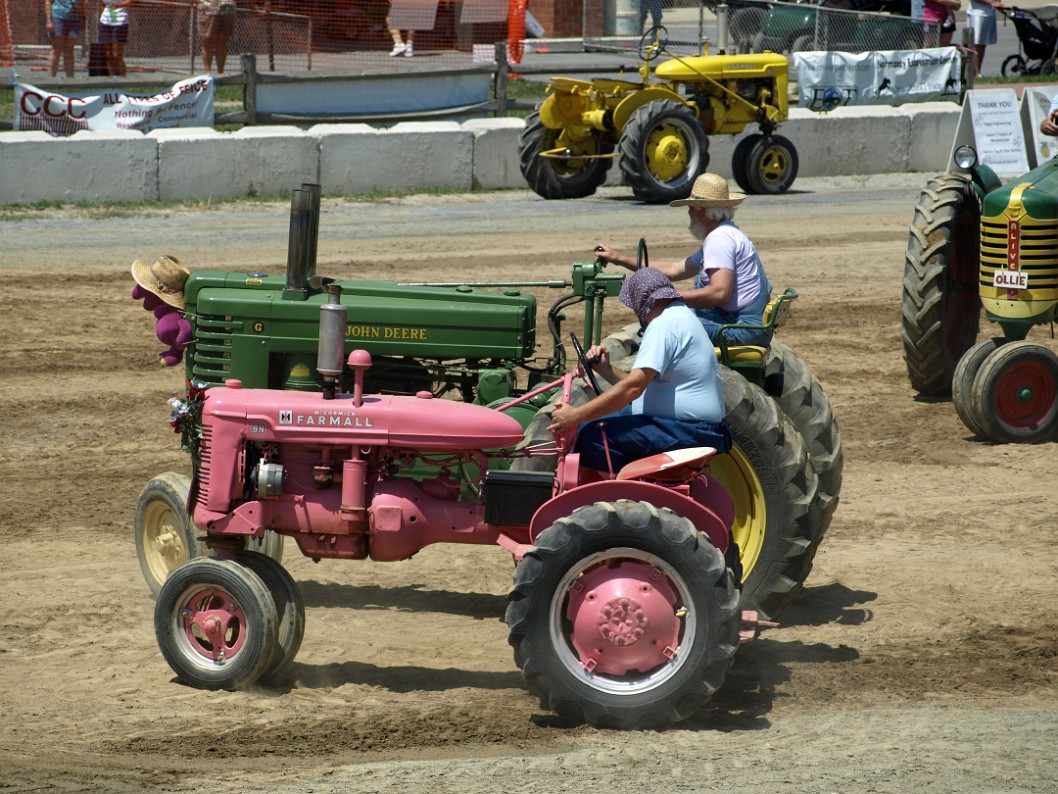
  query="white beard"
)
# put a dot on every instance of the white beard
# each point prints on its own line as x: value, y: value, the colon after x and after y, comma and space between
x: 698, y: 230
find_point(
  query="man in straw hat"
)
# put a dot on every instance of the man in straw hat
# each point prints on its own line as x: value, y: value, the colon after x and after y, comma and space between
x: 730, y: 285
x: 671, y: 399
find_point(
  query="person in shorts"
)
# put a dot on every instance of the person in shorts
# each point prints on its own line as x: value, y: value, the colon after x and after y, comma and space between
x: 63, y: 19
x: 114, y: 34
x: 216, y: 22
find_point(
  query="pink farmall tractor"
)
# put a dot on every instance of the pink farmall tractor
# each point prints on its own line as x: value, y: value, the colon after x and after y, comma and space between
x: 624, y: 611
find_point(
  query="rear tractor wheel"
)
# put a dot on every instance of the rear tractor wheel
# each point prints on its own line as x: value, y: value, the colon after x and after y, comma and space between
x: 623, y: 616
x: 941, y: 308
x: 567, y: 177
x: 663, y: 149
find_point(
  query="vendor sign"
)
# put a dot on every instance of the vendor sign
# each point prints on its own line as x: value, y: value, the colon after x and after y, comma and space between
x: 188, y: 103
x: 833, y: 79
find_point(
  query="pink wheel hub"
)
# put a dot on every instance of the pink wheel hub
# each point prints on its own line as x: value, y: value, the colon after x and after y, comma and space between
x: 624, y: 618
x: 214, y: 623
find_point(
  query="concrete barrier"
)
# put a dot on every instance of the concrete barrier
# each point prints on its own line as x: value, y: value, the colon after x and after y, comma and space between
x: 480, y: 154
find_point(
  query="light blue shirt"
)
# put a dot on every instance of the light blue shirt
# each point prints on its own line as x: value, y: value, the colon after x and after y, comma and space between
x: 688, y: 384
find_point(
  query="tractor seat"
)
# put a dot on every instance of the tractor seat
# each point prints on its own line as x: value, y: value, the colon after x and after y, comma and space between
x: 741, y: 354
x: 678, y: 465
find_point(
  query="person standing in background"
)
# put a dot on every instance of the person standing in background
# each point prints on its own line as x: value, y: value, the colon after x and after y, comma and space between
x: 114, y: 34
x: 63, y: 19
x: 216, y: 21
x: 981, y: 17
x: 401, y: 46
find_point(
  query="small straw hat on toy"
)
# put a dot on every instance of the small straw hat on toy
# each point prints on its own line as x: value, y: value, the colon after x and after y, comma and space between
x: 710, y: 190
x: 165, y: 278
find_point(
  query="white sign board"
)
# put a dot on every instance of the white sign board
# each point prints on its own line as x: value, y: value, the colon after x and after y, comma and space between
x: 1035, y: 107
x: 188, y: 103
x: 991, y: 121
x: 834, y: 79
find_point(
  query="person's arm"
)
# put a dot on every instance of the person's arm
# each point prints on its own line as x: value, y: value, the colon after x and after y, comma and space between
x: 1049, y: 126
x: 675, y: 269
x: 566, y: 417
x: 718, y: 292
x: 47, y: 16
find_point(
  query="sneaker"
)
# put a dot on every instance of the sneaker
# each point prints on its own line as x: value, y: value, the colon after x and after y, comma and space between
x: 407, y: 50
x: 398, y: 49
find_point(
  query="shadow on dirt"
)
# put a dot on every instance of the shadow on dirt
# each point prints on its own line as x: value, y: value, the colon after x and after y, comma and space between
x: 829, y: 603
x: 402, y: 679
x: 405, y: 598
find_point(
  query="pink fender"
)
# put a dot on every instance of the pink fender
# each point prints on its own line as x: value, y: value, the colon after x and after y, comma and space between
x: 703, y: 517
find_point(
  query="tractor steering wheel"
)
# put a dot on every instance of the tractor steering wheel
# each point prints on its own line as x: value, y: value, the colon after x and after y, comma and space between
x: 653, y: 43
x: 642, y: 260
x: 585, y: 363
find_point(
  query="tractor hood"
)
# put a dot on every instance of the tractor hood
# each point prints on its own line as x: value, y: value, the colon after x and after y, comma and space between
x: 687, y: 70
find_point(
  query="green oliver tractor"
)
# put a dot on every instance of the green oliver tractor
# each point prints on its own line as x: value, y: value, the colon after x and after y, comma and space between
x: 478, y: 343
x: 976, y: 243
x: 659, y: 130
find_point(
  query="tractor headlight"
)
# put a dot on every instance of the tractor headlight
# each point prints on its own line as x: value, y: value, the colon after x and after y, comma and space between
x: 966, y: 157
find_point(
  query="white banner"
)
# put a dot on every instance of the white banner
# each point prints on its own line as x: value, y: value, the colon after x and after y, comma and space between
x: 834, y: 79
x: 188, y: 103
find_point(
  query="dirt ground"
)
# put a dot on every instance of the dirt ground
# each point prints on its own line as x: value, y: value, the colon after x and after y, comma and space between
x: 922, y: 656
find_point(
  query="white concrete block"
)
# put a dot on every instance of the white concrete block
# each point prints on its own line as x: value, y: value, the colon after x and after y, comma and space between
x: 255, y: 161
x: 849, y: 141
x: 496, y: 153
x: 87, y: 166
x: 407, y: 157
x: 933, y: 128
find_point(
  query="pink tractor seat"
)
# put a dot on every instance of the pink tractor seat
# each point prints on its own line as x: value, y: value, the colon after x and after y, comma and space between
x: 677, y: 465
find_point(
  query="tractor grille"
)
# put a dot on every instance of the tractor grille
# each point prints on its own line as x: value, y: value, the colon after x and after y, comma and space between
x: 205, y: 465
x: 211, y: 353
x: 1024, y: 244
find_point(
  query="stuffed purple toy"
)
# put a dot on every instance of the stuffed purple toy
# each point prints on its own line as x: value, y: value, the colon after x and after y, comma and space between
x: 161, y: 288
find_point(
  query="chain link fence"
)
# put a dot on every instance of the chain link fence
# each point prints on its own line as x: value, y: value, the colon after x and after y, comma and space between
x: 285, y: 35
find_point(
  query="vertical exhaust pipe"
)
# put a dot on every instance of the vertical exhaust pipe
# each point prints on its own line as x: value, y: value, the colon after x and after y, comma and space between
x: 302, y: 241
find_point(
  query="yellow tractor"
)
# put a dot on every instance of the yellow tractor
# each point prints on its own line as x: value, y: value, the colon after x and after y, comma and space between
x: 659, y: 130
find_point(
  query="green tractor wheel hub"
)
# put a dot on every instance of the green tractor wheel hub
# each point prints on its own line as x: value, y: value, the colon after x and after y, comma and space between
x: 736, y: 474
x: 667, y: 152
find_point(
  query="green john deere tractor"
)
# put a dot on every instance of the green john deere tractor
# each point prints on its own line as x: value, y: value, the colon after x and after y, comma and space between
x: 976, y: 244
x: 658, y: 130
x: 478, y: 343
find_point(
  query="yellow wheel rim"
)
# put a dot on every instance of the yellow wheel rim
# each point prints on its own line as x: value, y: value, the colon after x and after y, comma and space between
x: 666, y: 152
x: 164, y: 549
x: 735, y: 473
x: 774, y: 164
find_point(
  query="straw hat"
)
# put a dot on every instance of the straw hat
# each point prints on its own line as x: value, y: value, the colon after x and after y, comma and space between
x: 710, y: 190
x: 165, y: 278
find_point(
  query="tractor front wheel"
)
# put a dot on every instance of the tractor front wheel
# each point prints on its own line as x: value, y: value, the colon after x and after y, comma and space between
x: 561, y: 178
x: 740, y: 157
x: 663, y: 150
x: 290, y: 609
x: 216, y: 624
x: 962, y: 385
x: 941, y: 308
x: 1015, y: 393
x: 771, y: 165
x: 623, y: 616
x: 165, y: 536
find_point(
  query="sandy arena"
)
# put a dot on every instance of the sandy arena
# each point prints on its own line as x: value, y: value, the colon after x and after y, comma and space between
x: 923, y: 656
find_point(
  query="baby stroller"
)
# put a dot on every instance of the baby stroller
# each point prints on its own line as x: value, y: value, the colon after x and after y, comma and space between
x: 1037, y: 40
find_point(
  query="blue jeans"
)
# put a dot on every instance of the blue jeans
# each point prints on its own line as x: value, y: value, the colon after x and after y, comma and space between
x: 632, y: 436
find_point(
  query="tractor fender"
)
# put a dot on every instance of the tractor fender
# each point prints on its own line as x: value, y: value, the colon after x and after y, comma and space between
x: 566, y: 104
x: 985, y: 180
x: 626, y: 107
x: 703, y: 518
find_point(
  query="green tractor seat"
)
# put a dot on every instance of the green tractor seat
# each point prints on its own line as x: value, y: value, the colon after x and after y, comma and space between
x: 748, y: 360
